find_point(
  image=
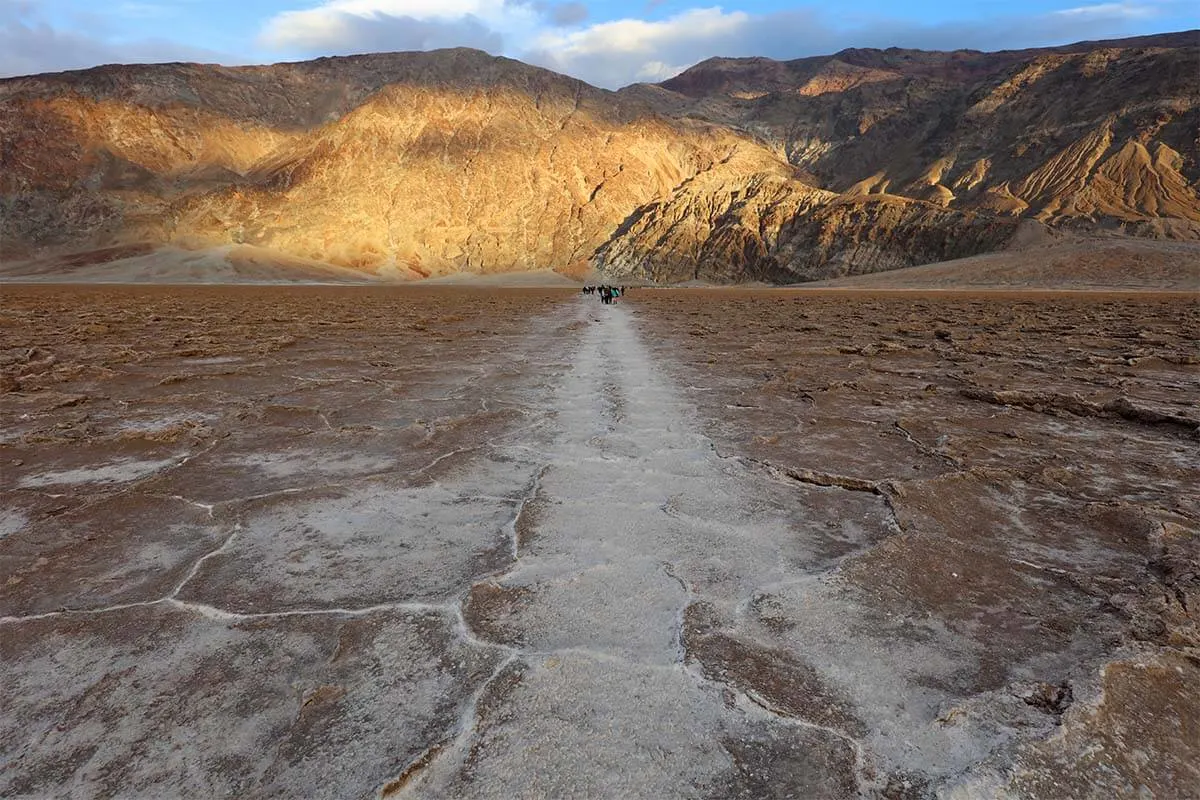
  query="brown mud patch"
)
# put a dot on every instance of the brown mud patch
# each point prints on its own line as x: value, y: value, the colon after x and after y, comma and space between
x: 1038, y: 454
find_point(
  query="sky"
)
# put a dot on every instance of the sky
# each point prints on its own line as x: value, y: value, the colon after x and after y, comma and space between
x: 609, y: 44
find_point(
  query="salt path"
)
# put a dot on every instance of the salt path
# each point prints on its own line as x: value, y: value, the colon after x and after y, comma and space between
x: 595, y: 602
x: 634, y: 520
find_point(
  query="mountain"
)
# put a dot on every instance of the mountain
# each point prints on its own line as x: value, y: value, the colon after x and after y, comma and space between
x: 410, y: 165
x: 1094, y: 137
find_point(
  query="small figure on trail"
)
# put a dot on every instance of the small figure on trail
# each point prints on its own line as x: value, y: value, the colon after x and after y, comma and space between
x: 608, y: 294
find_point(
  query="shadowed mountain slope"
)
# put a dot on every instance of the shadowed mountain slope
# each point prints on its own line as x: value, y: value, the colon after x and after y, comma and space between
x: 1101, y: 132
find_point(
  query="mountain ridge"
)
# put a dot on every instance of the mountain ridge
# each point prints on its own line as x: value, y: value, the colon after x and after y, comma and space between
x: 411, y: 165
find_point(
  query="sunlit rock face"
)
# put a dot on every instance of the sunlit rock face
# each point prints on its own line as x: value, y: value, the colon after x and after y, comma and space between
x: 411, y: 165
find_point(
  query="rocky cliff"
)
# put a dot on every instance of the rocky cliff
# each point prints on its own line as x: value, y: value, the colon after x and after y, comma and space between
x: 410, y: 165
x: 413, y: 164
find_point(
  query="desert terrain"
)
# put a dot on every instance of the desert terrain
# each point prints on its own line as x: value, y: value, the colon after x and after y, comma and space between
x: 404, y: 166
x: 456, y: 541
x: 1074, y: 264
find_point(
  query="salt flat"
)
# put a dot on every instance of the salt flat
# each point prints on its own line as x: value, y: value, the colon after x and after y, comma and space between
x: 449, y: 542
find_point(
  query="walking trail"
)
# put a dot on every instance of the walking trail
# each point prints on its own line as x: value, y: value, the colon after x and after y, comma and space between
x: 636, y: 535
x: 576, y: 595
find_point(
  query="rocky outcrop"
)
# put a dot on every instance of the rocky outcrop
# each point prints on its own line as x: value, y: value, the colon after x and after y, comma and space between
x: 410, y: 165
x: 1099, y: 134
x: 718, y: 228
x: 429, y: 182
x: 429, y: 163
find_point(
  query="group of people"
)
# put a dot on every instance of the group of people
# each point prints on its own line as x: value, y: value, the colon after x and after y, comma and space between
x: 607, y: 293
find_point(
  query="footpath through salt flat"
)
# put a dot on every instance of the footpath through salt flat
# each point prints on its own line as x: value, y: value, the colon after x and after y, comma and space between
x: 636, y: 527
x: 448, y: 545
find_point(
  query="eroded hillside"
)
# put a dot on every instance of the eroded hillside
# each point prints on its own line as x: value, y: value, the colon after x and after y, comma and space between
x: 1101, y: 132
x: 410, y: 165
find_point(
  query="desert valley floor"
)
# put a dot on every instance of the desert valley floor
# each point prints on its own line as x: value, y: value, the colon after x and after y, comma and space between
x: 348, y: 542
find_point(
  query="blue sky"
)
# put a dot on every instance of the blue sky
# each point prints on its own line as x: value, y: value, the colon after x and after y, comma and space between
x: 607, y: 43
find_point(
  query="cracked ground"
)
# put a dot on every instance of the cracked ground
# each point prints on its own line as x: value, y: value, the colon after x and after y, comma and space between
x: 320, y: 542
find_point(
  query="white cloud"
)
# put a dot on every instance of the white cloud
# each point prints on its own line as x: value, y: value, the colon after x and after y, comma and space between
x: 611, y: 53
x: 355, y: 26
x: 614, y: 53
x: 342, y: 32
x: 657, y: 71
x: 641, y: 37
x: 554, y: 34
x: 1108, y: 11
x: 623, y: 51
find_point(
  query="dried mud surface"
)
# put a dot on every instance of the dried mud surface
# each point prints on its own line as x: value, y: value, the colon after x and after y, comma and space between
x: 232, y: 520
x: 1039, y: 455
x: 361, y: 542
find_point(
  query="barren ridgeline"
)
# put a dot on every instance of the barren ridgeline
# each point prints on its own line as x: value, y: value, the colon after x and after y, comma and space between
x: 450, y: 542
x: 403, y: 166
